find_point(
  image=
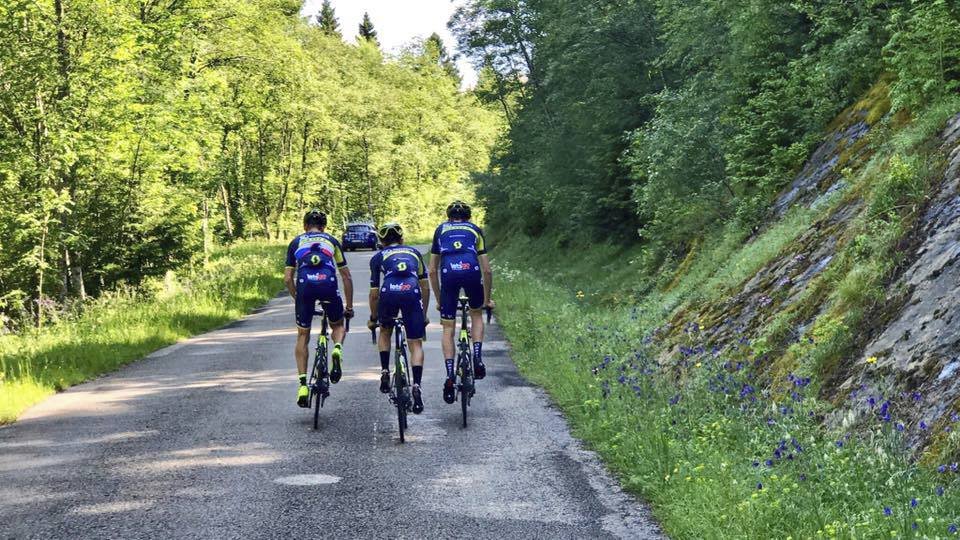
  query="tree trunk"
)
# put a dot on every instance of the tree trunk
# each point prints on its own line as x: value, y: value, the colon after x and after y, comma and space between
x: 228, y: 222
x: 205, y: 227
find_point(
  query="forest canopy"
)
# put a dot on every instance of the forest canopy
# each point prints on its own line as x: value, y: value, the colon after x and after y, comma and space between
x: 655, y: 121
x: 135, y: 134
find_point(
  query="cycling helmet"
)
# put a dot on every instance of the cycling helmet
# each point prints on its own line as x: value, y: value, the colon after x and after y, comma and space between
x: 458, y: 210
x: 315, y: 218
x: 391, y: 233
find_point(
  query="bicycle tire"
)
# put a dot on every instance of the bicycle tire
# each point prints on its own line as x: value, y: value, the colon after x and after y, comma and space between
x: 319, y: 374
x: 464, y: 403
x: 401, y: 417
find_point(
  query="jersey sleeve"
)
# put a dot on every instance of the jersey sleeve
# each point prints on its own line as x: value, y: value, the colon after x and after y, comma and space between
x: 422, y: 274
x: 338, y: 253
x: 481, y: 242
x: 291, y: 253
x: 435, y: 246
x: 375, y: 270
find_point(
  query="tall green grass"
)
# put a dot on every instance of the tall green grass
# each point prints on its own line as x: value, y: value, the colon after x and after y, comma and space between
x: 715, y: 454
x: 129, y: 323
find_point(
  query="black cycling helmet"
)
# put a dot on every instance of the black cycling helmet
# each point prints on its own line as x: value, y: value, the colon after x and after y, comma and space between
x: 459, y: 210
x: 391, y: 233
x: 315, y: 218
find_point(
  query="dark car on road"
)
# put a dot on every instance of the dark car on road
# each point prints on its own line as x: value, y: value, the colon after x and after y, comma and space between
x: 359, y: 235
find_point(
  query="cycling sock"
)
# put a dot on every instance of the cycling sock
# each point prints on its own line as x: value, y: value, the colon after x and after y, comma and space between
x: 417, y: 374
x: 449, y: 362
x: 338, y: 347
x: 384, y: 359
x: 477, y: 346
x: 303, y: 379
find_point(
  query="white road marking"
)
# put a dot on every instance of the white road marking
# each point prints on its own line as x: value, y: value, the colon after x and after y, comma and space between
x: 307, y: 480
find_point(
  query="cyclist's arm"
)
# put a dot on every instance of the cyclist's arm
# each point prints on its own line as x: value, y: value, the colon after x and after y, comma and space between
x: 374, y: 302
x: 434, y: 275
x: 347, y: 286
x: 291, y: 268
x: 289, y: 282
x: 341, y: 262
x: 374, y: 297
x: 487, y: 273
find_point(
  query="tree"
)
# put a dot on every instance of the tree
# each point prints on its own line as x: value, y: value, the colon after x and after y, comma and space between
x: 327, y: 20
x: 366, y: 31
x: 438, y: 52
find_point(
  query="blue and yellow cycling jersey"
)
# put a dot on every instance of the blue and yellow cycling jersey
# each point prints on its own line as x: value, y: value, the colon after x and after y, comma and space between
x: 316, y: 256
x: 459, y: 245
x: 402, y: 268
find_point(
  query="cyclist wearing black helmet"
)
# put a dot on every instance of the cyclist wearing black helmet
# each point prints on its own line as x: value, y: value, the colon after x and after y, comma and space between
x: 459, y: 262
x: 313, y: 260
x: 403, y: 291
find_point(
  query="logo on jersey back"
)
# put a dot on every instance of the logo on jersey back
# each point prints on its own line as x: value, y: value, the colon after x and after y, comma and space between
x: 460, y: 266
x: 319, y: 276
x: 401, y: 287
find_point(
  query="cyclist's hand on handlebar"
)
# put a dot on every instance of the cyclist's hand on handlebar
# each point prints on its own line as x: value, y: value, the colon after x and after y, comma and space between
x: 372, y: 324
x: 438, y: 306
x: 348, y: 313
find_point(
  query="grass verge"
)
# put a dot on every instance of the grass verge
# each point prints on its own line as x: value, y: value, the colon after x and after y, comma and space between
x: 127, y: 324
x: 715, y: 454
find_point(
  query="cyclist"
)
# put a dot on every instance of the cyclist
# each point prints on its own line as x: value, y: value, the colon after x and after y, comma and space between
x: 459, y: 261
x: 313, y: 259
x: 403, y: 290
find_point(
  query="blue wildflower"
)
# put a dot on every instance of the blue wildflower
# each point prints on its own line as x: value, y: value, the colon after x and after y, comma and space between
x: 939, y: 491
x: 952, y: 529
x: 913, y: 503
x: 887, y: 511
x: 759, y: 486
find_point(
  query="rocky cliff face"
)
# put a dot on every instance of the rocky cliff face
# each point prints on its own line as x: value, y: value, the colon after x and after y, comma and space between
x: 905, y: 354
x: 918, y: 349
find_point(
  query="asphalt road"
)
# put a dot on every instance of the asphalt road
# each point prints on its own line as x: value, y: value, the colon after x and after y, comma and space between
x: 203, y: 440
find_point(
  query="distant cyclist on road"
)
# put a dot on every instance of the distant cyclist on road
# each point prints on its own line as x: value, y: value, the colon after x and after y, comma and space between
x: 403, y: 291
x: 459, y: 262
x: 313, y: 259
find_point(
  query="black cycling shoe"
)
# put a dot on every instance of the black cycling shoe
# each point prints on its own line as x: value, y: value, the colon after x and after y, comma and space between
x: 479, y: 370
x: 417, y: 400
x: 449, y: 391
x: 385, y: 381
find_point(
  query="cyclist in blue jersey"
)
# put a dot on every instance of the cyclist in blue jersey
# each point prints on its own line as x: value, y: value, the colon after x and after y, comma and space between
x: 458, y: 262
x: 313, y: 260
x: 403, y: 291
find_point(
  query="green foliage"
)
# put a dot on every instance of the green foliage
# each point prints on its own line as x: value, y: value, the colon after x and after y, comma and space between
x: 700, y: 112
x: 924, y: 51
x: 698, y: 454
x: 327, y: 20
x: 365, y: 30
x: 134, y: 136
x: 125, y: 324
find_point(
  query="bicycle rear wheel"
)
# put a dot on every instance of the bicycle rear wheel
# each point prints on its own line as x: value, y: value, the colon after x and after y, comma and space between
x: 319, y: 373
x: 466, y: 386
x: 401, y: 415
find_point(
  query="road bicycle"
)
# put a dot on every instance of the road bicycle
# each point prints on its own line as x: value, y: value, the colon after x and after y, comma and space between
x: 466, y: 388
x: 400, y: 391
x: 319, y: 383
